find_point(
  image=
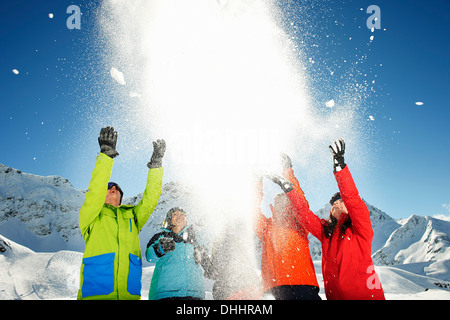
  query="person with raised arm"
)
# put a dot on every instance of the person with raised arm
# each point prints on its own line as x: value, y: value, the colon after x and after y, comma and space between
x: 346, y: 236
x: 287, y: 269
x: 111, y: 268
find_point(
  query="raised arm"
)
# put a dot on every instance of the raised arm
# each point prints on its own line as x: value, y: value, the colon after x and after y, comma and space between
x: 98, y: 186
x: 288, y: 173
x: 357, y: 209
x: 153, y: 189
x: 305, y: 216
x: 259, y: 220
x: 290, y: 185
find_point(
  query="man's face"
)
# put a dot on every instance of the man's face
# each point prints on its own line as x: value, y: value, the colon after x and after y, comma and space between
x: 338, y: 208
x: 113, y: 197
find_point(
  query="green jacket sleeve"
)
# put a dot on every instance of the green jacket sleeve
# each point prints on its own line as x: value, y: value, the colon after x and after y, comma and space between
x: 95, y: 197
x: 150, y: 198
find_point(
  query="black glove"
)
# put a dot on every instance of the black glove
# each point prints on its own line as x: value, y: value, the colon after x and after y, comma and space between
x: 107, y: 141
x: 338, y: 155
x: 285, y: 184
x: 164, y: 246
x: 159, y: 148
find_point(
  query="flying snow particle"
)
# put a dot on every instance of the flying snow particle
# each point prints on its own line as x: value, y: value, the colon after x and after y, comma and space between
x: 50, y: 15
x: 118, y: 76
x: 371, y: 118
x: 371, y: 38
x: 330, y: 104
x: 222, y: 3
x: 135, y: 95
x: 419, y: 103
x: 15, y: 71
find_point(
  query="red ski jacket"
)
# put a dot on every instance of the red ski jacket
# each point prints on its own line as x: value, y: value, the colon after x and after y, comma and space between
x: 347, y: 266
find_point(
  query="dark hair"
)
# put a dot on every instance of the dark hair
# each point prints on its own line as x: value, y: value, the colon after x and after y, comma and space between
x: 335, y: 197
x: 330, y: 225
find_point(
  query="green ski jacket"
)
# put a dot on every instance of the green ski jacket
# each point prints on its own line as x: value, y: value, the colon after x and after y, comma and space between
x: 112, y: 261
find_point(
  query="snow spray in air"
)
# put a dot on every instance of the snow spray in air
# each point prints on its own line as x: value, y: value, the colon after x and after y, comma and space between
x: 221, y: 83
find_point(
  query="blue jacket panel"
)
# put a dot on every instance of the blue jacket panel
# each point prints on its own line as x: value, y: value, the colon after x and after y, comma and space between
x: 176, y: 274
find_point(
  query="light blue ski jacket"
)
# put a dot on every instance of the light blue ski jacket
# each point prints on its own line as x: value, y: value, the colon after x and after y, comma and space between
x: 176, y: 273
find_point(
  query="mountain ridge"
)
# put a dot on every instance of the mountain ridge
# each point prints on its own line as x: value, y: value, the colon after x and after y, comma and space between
x: 41, y: 213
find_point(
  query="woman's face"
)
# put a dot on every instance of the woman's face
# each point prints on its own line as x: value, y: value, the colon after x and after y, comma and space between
x: 179, y: 220
x: 338, y: 208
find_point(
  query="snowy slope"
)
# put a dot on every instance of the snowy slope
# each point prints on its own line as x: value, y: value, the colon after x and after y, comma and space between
x: 28, y: 275
x: 41, y: 246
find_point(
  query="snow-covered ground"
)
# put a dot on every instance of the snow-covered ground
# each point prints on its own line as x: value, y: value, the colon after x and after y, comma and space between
x: 29, y: 275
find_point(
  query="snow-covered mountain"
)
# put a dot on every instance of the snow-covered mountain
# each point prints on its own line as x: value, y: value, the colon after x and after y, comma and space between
x: 39, y: 212
x: 418, y: 239
x: 41, y: 245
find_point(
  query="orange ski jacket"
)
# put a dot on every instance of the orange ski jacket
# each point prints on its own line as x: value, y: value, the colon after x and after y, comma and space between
x: 285, y: 259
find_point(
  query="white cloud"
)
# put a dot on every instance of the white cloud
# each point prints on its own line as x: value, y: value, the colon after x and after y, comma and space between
x: 445, y: 217
x: 118, y: 76
x: 442, y: 217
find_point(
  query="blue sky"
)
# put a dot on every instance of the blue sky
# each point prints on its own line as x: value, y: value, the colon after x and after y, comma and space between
x: 51, y: 111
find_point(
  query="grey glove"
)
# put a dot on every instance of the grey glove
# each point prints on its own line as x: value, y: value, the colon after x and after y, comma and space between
x: 107, y: 141
x: 338, y: 155
x: 159, y: 148
x: 286, y: 161
x: 285, y: 184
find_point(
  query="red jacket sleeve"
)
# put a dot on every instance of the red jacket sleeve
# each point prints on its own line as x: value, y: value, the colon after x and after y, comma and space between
x: 289, y: 174
x: 304, y: 215
x: 357, y: 209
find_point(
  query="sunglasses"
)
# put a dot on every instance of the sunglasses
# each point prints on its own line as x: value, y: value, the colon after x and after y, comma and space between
x: 113, y: 184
